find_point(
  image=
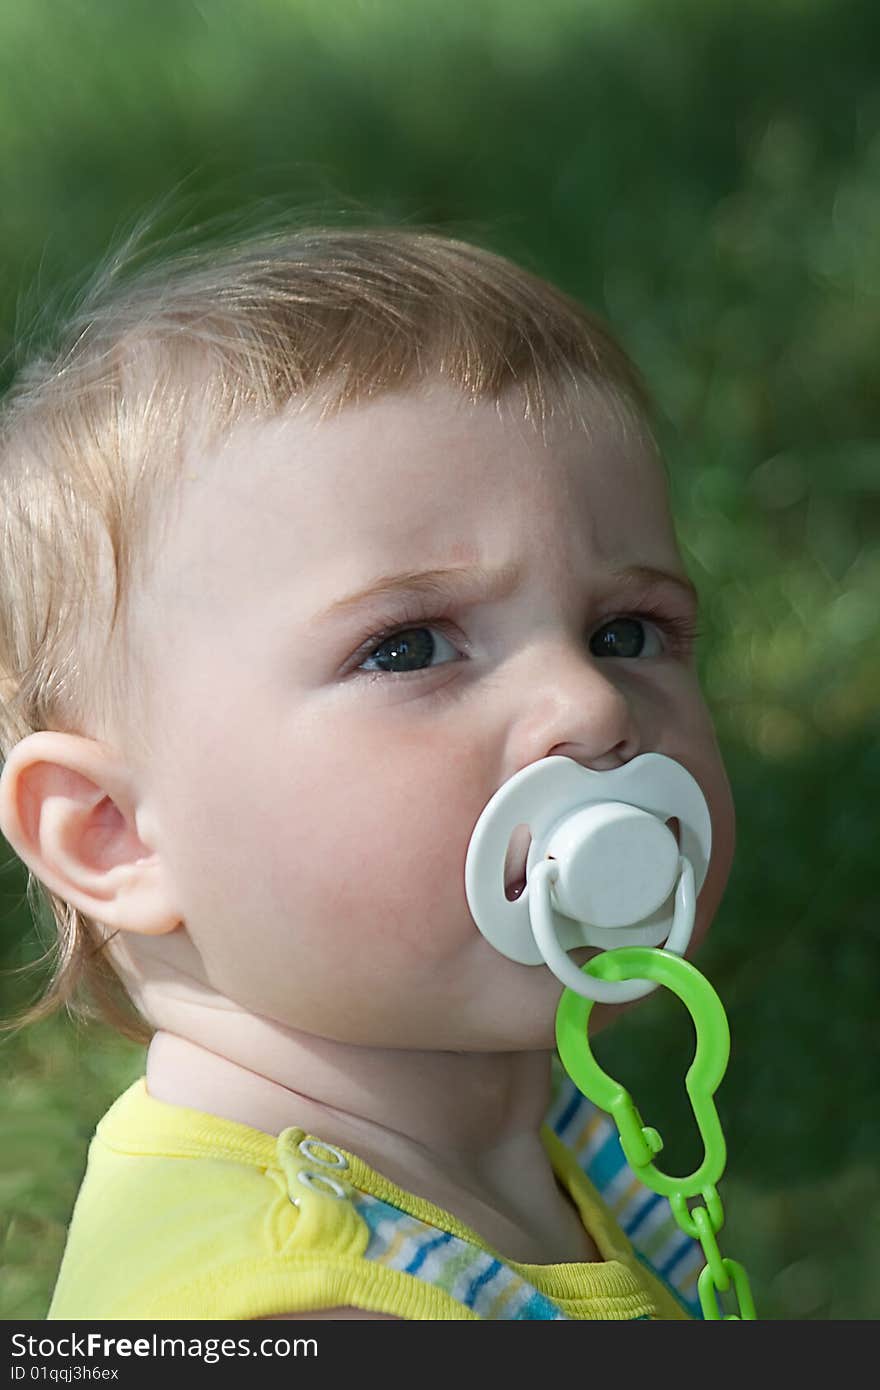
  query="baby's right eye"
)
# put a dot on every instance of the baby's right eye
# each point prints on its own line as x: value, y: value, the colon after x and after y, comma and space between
x: 408, y: 649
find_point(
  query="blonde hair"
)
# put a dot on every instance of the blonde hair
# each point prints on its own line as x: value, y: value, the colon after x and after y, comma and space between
x: 92, y: 440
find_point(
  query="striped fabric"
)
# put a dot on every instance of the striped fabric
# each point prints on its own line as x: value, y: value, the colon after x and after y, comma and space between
x: 495, y: 1291
x: 470, y: 1275
x: 644, y: 1217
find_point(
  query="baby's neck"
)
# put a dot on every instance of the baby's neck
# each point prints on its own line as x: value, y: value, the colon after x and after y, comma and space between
x: 458, y: 1105
x: 460, y: 1129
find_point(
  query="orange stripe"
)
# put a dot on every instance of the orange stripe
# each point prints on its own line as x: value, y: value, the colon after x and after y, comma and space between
x: 596, y: 1120
x: 624, y: 1198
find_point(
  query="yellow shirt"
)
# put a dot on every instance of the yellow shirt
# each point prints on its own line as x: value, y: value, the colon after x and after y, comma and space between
x: 182, y: 1215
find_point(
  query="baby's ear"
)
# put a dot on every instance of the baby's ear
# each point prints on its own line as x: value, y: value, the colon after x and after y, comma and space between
x: 69, y: 809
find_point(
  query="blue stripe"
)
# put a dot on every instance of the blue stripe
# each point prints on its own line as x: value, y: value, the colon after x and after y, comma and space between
x: 693, y: 1309
x: 684, y: 1245
x: 538, y: 1309
x: 489, y: 1273
x: 654, y: 1200
x: 606, y: 1162
x: 425, y: 1251
x: 569, y: 1112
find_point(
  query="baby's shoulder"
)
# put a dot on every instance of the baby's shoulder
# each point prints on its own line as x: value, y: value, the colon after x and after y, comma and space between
x: 186, y: 1215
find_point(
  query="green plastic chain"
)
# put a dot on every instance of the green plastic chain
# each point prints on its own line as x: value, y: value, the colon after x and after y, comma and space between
x: 640, y: 1143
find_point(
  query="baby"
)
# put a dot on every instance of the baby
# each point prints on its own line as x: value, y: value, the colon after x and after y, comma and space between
x: 311, y: 544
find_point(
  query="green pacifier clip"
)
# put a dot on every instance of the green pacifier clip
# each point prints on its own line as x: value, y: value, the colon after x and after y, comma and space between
x: 641, y: 1144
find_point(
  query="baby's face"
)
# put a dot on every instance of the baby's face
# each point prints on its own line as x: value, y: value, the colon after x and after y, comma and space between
x: 325, y: 742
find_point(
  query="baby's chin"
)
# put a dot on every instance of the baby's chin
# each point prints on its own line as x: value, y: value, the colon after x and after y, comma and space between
x: 530, y: 1019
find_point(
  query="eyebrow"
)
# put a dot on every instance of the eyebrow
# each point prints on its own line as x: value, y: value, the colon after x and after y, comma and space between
x: 475, y: 584
x: 648, y: 576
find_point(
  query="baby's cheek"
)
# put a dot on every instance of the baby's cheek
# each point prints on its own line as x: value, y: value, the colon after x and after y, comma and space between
x: 404, y: 880
x: 395, y: 880
x: 376, y: 833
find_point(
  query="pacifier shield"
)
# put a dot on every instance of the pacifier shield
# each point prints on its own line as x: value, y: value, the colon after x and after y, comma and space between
x: 617, y: 866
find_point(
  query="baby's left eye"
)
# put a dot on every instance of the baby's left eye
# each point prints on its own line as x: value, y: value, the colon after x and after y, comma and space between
x: 410, y: 649
x: 626, y: 637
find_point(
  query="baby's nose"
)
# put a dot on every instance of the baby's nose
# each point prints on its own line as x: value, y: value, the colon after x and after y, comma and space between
x: 573, y: 710
x: 605, y: 762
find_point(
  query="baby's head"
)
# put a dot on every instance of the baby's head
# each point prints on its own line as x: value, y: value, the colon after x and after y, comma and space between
x: 309, y: 547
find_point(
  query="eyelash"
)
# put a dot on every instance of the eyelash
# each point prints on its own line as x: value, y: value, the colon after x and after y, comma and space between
x: 681, y: 632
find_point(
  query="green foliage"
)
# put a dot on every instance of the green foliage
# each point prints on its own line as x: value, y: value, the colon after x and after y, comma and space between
x: 707, y: 175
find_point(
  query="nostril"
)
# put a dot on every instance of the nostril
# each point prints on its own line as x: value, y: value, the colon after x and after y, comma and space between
x: 515, y: 862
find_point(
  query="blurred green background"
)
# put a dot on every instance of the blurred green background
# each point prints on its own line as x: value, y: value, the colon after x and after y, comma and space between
x: 706, y: 174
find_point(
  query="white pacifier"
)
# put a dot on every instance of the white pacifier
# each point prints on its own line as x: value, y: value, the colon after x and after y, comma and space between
x: 603, y: 869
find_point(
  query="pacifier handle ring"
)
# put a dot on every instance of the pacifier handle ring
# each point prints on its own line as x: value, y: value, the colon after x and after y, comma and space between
x: 541, y: 880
